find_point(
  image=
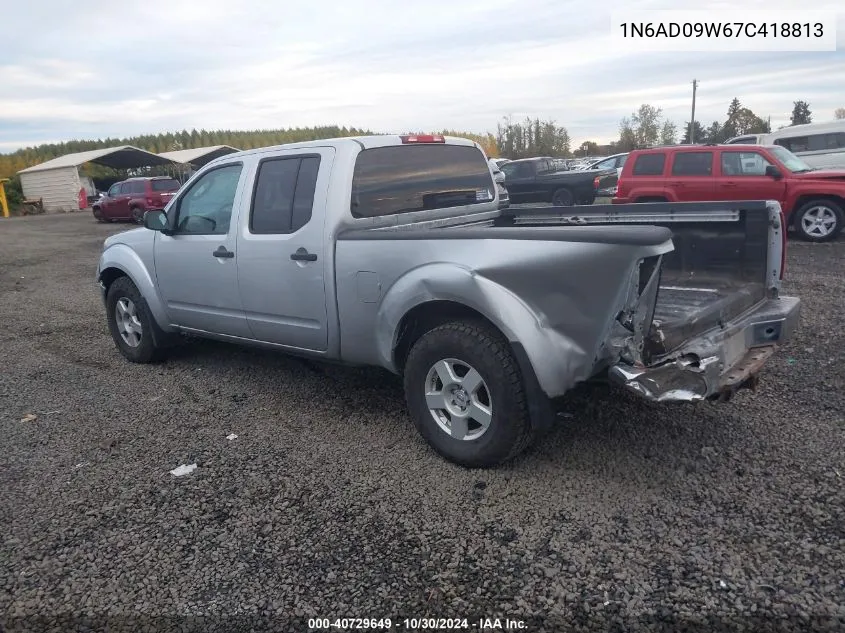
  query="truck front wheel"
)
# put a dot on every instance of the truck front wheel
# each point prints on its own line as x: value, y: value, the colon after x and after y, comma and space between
x: 819, y: 220
x: 465, y: 394
x: 131, y: 323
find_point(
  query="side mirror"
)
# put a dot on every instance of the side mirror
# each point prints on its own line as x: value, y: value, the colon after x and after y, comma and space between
x: 155, y: 220
x: 773, y: 172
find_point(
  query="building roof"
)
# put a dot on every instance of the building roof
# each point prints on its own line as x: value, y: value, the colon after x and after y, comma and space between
x: 122, y: 157
x: 199, y: 156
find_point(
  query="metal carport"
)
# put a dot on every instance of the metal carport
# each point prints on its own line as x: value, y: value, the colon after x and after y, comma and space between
x: 57, y: 182
x: 199, y: 156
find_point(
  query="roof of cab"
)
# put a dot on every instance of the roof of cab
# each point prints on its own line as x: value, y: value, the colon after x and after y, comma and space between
x: 365, y: 142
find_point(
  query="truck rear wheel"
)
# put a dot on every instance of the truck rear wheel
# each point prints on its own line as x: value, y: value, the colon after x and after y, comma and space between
x: 562, y: 198
x: 465, y: 394
x: 819, y: 220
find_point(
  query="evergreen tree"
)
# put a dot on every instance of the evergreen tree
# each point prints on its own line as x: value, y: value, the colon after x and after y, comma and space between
x: 800, y: 113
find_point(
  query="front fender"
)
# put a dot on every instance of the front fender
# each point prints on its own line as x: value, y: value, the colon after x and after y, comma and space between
x: 558, y: 361
x: 126, y: 260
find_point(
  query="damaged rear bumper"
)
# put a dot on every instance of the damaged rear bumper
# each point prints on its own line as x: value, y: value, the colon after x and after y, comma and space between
x: 719, y: 362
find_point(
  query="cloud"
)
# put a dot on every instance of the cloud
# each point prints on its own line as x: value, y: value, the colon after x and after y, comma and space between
x: 110, y: 69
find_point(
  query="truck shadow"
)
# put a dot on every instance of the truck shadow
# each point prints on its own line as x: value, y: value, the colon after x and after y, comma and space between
x: 600, y: 428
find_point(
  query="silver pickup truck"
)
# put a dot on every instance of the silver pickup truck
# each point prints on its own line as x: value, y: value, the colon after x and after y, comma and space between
x: 392, y: 251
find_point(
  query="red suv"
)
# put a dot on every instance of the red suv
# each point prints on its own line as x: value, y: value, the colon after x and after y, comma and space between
x: 132, y: 198
x: 813, y: 200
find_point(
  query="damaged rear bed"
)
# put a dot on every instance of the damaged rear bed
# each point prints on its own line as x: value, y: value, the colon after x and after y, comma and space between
x: 718, y: 315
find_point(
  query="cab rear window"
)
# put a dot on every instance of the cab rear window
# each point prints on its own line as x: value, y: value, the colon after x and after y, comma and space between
x: 406, y: 178
x: 649, y: 165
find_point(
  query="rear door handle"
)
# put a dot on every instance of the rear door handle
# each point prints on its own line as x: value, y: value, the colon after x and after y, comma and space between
x: 302, y: 255
x: 676, y: 184
x: 223, y: 252
x: 729, y: 184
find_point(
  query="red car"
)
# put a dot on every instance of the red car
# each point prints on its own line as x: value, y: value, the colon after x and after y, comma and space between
x: 132, y: 198
x: 812, y: 200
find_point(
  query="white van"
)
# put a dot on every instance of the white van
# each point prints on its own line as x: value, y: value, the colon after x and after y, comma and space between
x: 820, y: 145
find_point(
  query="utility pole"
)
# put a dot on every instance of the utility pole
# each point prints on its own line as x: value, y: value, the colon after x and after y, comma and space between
x: 692, y: 118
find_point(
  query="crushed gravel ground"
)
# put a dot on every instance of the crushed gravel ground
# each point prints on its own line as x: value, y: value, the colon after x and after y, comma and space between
x: 327, y: 504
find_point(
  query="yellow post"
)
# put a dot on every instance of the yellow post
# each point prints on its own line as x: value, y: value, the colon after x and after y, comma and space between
x: 4, y: 207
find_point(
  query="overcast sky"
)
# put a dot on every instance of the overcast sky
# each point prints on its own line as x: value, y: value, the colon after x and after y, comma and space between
x: 82, y: 70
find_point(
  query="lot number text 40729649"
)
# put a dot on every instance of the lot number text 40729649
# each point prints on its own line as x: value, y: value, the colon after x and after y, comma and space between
x: 417, y: 624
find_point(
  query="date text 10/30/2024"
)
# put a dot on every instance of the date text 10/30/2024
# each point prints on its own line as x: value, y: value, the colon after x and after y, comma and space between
x: 416, y: 624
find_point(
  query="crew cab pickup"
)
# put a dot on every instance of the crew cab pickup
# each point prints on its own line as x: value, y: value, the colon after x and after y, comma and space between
x: 813, y: 200
x: 391, y: 251
x: 537, y: 180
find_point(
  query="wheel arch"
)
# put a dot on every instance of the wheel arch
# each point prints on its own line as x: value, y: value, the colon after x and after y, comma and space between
x: 121, y: 261
x: 426, y: 316
x: 109, y: 275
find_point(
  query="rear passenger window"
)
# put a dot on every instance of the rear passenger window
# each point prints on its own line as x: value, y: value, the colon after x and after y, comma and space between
x: 406, y: 178
x: 649, y: 165
x: 693, y: 164
x: 284, y: 194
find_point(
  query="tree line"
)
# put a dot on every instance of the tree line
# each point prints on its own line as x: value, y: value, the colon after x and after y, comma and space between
x: 513, y: 139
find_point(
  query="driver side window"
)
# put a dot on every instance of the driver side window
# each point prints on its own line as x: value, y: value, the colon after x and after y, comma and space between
x: 114, y: 190
x: 206, y: 208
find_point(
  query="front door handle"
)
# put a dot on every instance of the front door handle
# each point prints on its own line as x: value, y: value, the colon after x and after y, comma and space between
x: 223, y: 252
x: 302, y: 255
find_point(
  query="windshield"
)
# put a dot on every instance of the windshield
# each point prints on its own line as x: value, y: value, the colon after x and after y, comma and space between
x: 790, y: 160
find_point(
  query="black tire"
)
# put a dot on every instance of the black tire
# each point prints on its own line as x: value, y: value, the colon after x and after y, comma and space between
x: 137, y: 215
x: 830, y: 209
x: 563, y: 198
x: 98, y: 215
x: 482, y: 348
x: 146, y: 351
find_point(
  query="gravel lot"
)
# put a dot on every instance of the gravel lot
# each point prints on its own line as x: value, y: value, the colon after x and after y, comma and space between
x: 328, y: 503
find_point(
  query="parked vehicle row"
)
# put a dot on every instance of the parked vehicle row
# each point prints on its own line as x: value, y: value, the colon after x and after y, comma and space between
x: 813, y: 200
x: 538, y: 180
x: 392, y: 251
